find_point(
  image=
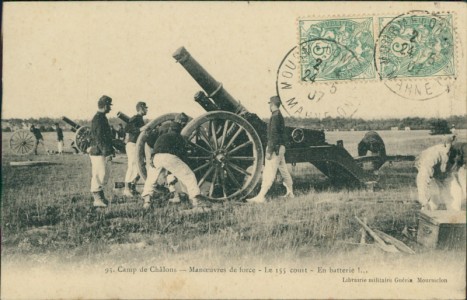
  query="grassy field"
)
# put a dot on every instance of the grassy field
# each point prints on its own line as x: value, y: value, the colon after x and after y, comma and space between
x: 47, y: 215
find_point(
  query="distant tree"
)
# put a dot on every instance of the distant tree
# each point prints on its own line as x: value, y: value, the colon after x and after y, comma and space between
x: 440, y: 127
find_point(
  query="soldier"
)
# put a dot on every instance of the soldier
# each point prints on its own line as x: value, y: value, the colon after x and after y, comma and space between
x: 60, y: 143
x: 432, y: 166
x: 168, y: 154
x: 100, y: 151
x: 39, y: 139
x: 132, y: 130
x: 374, y: 143
x: 275, y: 152
x: 120, y: 132
x: 458, y: 180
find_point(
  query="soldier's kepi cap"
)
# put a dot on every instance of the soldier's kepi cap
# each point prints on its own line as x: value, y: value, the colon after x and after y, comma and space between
x: 275, y: 100
x: 103, y: 101
x: 141, y: 105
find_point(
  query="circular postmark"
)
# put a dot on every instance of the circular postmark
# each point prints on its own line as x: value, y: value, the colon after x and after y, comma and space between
x: 414, y: 54
x: 301, y: 83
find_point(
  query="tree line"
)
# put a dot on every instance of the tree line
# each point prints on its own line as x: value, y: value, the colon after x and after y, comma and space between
x: 328, y: 123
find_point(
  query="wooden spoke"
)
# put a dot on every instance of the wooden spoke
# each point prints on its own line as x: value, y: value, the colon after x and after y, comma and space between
x: 238, y: 169
x: 240, y: 147
x: 213, y: 182
x: 206, y: 138
x: 213, y: 133
x: 200, y: 183
x: 199, y: 157
x: 242, y: 158
x: 224, y: 133
x: 234, y: 137
x: 232, y: 177
x: 199, y: 147
x: 222, y: 179
x: 201, y: 167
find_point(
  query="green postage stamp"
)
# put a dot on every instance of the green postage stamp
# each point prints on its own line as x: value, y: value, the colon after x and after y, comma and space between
x: 337, y: 49
x: 411, y: 45
x: 414, y: 45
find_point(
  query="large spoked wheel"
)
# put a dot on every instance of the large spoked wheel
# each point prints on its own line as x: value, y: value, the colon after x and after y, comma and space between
x: 22, y: 142
x: 225, y: 154
x: 142, y: 149
x: 83, y: 138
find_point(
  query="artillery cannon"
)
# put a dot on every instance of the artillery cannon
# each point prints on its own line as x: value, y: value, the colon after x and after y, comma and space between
x: 82, y: 138
x: 227, y: 143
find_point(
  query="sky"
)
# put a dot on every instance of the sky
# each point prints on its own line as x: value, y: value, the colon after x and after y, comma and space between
x: 59, y: 58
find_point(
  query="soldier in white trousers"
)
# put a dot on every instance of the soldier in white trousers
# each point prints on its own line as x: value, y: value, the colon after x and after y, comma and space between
x: 168, y: 153
x: 132, y: 131
x: 275, y: 152
x: 432, y: 166
x: 100, y: 151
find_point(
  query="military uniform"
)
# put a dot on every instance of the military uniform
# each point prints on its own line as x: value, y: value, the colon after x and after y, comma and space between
x: 39, y: 139
x: 277, y: 139
x: 458, y: 180
x: 169, y: 151
x: 432, y: 166
x: 100, y: 149
x: 132, y: 130
x: 59, y: 132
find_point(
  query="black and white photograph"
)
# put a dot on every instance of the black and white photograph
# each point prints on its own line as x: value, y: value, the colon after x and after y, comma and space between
x: 233, y: 150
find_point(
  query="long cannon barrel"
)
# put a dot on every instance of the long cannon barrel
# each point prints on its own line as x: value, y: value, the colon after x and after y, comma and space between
x: 73, y: 125
x: 125, y: 118
x: 213, y: 88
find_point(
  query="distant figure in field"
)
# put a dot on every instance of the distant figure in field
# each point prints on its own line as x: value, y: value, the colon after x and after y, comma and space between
x: 39, y: 139
x: 432, y: 169
x: 457, y: 179
x: 120, y: 132
x: 101, y: 151
x: 114, y: 132
x: 60, y: 143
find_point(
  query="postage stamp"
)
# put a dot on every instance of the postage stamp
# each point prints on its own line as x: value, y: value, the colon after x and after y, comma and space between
x: 415, y: 45
x: 336, y: 49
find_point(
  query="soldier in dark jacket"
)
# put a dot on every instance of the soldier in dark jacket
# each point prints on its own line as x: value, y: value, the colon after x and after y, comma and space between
x: 374, y: 143
x: 168, y: 154
x: 275, y: 152
x: 132, y: 130
x: 100, y: 151
x: 39, y: 138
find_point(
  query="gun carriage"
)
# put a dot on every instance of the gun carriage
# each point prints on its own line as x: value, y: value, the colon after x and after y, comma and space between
x: 82, y: 138
x: 22, y: 142
x: 227, y: 144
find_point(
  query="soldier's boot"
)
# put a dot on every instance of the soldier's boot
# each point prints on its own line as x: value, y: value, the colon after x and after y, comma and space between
x: 147, y: 201
x: 133, y: 189
x: 98, y: 200
x: 200, y: 201
x: 174, y: 198
x: 127, y: 191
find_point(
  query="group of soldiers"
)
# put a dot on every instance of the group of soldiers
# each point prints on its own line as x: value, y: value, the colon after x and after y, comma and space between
x: 168, y: 150
x: 39, y: 139
x: 441, y: 164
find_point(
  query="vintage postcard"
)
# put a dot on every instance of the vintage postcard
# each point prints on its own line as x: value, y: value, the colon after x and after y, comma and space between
x: 233, y: 150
